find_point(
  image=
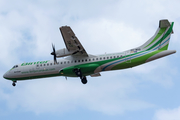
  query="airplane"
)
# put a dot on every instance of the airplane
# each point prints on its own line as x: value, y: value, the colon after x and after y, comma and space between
x: 76, y: 62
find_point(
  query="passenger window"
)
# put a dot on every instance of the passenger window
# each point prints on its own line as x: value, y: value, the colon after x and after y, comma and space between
x: 107, y: 57
x: 61, y: 62
x: 50, y: 63
x: 79, y: 61
x: 89, y: 59
x: 37, y: 65
x: 44, y: 64
x: 71, y: 61
x: 82, y: 60
x: 47, y: 64
x: 117, y: 56
x: 104, y: 58
x: 111, y: 57
x: 96, y: 58
x: 68, y: 61
x: 114, y: 56
x: 86, y: 60
x: 93, y: 59
x: 65, y: 62
x: 41, y: 65
x: 75, y: 61
x: 100, y: 58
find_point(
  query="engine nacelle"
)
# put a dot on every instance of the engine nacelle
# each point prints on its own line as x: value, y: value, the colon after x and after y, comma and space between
x: 63, y: 52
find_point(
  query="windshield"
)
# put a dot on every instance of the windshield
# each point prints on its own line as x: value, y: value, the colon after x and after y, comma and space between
x: 15, y: 66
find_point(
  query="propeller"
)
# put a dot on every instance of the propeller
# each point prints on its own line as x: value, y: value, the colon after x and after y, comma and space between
x: 54, y: 53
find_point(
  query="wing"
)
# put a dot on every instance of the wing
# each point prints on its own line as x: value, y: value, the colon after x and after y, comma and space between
x: 71, y: 41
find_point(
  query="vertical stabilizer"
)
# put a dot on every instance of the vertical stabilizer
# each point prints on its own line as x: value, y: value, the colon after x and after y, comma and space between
x: 160, y: 40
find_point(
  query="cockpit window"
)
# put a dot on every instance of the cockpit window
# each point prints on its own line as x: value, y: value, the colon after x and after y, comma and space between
x: 15, y: 66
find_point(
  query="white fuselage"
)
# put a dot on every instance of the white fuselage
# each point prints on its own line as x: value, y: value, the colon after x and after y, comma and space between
x: 48, y: 68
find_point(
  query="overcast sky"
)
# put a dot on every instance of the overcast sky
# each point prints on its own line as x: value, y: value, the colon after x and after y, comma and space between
x: 146, y: 92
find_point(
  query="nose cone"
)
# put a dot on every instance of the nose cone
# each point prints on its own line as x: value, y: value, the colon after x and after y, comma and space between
x: 5, y: 76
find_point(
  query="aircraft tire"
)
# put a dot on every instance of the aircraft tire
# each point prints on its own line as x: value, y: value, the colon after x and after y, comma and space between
x: 84, y: 80
x: 14, y: 84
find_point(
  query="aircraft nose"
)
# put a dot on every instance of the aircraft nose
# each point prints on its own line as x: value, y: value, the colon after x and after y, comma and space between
x: 5, y: 76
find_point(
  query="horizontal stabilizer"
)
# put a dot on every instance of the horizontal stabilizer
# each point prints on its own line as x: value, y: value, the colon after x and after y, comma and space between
x: 161, y: 54
x: 164, y: 23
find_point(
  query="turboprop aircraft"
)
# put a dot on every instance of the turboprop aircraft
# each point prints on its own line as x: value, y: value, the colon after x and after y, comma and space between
x: 76, y: 62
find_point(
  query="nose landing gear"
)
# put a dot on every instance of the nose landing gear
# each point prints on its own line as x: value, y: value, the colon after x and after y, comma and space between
x: 79, y: 74
x: 14, y: 83
x: 84, y: 80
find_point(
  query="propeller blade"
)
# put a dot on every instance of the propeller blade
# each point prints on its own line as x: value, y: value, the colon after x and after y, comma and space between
x: 54, y: 53
x: 55, y: 61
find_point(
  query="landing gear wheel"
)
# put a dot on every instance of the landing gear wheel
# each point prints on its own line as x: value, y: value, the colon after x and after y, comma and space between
x: 78, y: 72
x: 14, y: 83
x: 84, y: 80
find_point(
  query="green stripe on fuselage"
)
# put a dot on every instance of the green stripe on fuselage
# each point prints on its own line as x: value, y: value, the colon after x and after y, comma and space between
x: 135, y: 61
x: 165, y: 47
x: 69, y: 70
x: 161, y: 31
x: 164, y: 37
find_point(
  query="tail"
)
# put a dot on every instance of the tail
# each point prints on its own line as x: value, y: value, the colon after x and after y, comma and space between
x: 161, y: 38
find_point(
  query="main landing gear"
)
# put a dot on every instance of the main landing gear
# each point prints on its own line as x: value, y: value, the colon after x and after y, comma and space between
x: 79, y: 74
x: 14, y: 83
